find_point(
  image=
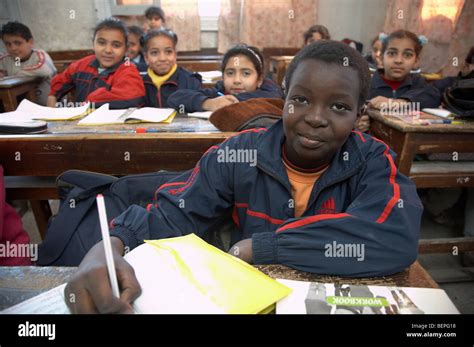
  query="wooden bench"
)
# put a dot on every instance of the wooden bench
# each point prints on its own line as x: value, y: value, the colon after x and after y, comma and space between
x: 192, y: 62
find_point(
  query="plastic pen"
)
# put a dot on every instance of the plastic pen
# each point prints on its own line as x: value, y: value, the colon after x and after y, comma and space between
x: 220, y: 94
x: 440, y: 121
x: 146, y: 130
x: 104, y: 227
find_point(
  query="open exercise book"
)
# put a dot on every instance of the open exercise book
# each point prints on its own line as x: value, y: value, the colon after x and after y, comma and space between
x: 104, y: 115
x: 183, y: 275
x: 321, y: 298
x: 28, y: 110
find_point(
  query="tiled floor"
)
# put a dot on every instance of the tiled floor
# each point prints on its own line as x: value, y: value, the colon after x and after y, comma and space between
x: 461, y: 293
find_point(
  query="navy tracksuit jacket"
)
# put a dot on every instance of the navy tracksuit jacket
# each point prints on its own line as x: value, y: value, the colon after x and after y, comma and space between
x: 361, y: 199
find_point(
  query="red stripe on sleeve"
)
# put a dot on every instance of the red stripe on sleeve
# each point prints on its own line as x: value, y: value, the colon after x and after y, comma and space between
x: 360, y: 135
x: 312, y: 219
x: 396, y: 188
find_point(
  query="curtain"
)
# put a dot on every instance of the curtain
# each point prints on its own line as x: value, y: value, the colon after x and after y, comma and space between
x: 183, y: 18
x: 265, y: 23
x: 436, y: 19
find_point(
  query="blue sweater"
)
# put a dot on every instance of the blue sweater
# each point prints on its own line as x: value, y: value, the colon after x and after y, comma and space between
x: 414, y: 89
x: 363, y: 201
x: 193, y: 99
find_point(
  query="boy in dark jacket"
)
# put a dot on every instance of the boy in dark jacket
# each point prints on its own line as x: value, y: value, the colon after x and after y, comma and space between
x: 104, y: 77
x: 299, y: 191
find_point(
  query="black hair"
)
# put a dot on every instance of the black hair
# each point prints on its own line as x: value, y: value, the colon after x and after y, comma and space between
x: 333, y: 52
x: 112, y: 23
x: 159, y: 32
x: 321, y: 29
x: 402, y: 34
x: 16, y: 28
x: 155, y: 11
x: 136, y: 30
x: 253, y: 53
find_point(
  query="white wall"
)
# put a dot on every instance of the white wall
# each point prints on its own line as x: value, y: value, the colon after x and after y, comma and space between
x: 60, y: 25
x: 54, y: 29
x: 360, y: 20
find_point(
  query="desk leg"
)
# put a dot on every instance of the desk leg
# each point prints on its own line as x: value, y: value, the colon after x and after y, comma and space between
x: 9, y: 102
x: 407, y: 154
x: 42, y: 213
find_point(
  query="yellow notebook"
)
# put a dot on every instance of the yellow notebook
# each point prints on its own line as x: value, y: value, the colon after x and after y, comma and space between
x: 104, y: 115
x: 187, y: 275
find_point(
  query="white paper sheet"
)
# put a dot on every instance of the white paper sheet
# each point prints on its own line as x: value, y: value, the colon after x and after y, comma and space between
x: 50, y: 302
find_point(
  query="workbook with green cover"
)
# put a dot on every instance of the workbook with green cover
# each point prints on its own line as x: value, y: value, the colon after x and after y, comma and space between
x: 339, y: 298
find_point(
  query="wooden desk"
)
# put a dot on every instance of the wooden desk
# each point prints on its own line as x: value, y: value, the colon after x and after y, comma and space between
x: 200, y: 65
x: 177, y: 147
x: 407, y: 140
x: 278, y: 67
x: 19, y: 283
x: 13, y: 87
x: 268, y: 52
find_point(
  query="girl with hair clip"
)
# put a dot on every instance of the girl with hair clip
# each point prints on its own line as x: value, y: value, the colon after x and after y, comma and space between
x: 400, y: 55
x: 163, y: 76
x: 242, y: 70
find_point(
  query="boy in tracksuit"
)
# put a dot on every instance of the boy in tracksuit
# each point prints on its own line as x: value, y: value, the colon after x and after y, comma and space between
x: 105, y: 77
x: 298, y: 190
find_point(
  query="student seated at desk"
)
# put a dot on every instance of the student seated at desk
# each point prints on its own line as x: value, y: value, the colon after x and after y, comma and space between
x: 242, y: 71
x: 395, y: 87
x: 374, y: 58
x: 314, y: 183
x: 155, y: 18
x: 164, y: 76
x: 134, y: 53
x: 316, y: 33
x: 105, y: 77
x: 24, y: 60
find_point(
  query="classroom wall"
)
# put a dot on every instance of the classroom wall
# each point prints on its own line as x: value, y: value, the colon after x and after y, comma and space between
x: 60, y: 25
x: 360, y: 20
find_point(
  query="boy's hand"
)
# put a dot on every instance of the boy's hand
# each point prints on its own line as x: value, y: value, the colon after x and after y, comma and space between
x: 219, y: 102
x: 363, y: 124
x: 89, y: 290
x: 243, y: 250
x: 51, y: 101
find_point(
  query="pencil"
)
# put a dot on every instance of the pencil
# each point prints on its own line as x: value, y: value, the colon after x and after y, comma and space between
x: 104, y: 227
